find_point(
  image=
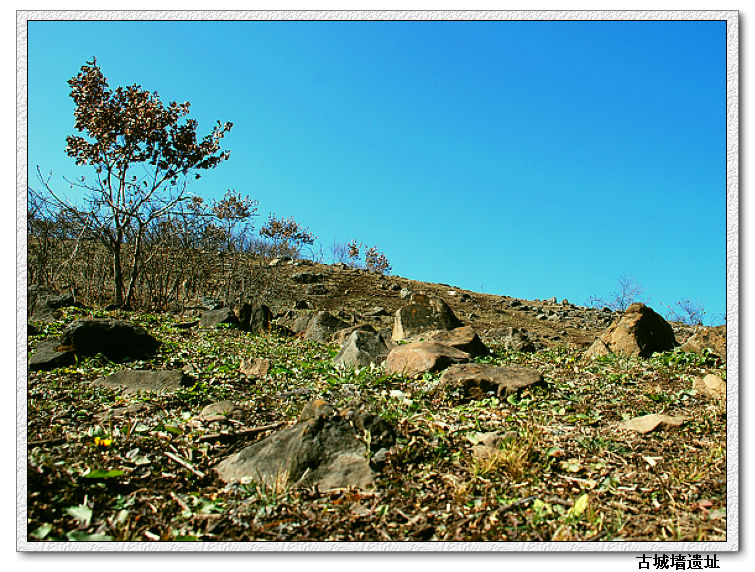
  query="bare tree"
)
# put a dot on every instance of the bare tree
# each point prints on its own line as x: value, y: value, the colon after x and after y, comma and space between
x: 627, y: 292
x: 142, y: 155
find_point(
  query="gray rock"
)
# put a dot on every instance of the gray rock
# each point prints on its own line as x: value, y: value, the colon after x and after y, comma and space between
x: 476, y: 381
x: 219, y: 411
x: 363, y: 348
x: 307, y: 277
x: 421, y: 315
x: 341, y: 336
x: 513, y: 339
x: 213, y: 318
x: 405, y: 293
x: 463, y: 338
x: 322, y: 327
x: 323, y: 449
x: 50, y: 355
x: 147, y: 380
x: 46, y: 308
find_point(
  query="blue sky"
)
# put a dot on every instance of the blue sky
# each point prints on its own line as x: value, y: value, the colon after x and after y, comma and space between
x: 530, y: 159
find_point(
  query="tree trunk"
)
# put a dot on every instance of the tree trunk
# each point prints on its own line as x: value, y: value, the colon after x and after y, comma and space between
x: 117, y: 273
x: 134, y: 269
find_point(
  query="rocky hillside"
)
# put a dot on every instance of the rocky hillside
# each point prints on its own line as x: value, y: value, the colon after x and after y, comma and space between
x: 339, y: 404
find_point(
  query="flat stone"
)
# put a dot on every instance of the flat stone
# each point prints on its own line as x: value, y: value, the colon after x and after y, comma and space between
x: 255, y: 367
x: 477, y: 381
x: 50, y: 354
x: 463, y: 338
x: 710, y: 385
x: 417, y: 358
x: 213, y: 318
x: 147, y: 380
x: 218, y: 411
x: 653, y: 422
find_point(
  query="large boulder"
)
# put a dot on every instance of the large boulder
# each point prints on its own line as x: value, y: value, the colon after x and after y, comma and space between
x: 362, y: 348
x: 463, y: 338
x: 138, y: 380
x: 341, y: 336
x: 48, y: 307
x: 639, y: 332
x: 713, y: 339
x: 259, y: 319
x: 116, y: 339
x: 416, y: 358
x: 323, y: 449
x: 476, y: 381
x: 423, y: 314
x: 213, y: 318
x: 322, y: 327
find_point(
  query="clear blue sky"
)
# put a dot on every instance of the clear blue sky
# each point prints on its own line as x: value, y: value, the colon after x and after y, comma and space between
x: 530, y: 159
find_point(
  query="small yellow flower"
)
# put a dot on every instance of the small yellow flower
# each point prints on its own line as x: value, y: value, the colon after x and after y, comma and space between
x: 100, y: 442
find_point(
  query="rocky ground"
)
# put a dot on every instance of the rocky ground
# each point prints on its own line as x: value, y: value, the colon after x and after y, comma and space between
x: 256, y: 424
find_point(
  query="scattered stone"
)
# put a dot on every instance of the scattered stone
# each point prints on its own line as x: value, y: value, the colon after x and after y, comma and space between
x: 307, y: 277
x: 405, y: 293
x: 421, y: 315
x: 376, y: 312
x: 710, y: 385
x: 316, y: 290
x: 138, y: 380
x: 116, y: 339
x: 115, y: 412
x: 639, y: 332
x: 322, y: 450
x: 707, y: 338
x: 51, y: 355
x: 463, y: 338
x: 219, y: 411
x: 653, y: 422
x: 363, y: 348
x: 513, y: 339
x: 213, y: 318
x: 302, y: 305
x: 255, y: 367
x: 210, y: 303
x: 279, y: 260
x: 477, y: 381
x: 322, y: 327
x: 416, y: 358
